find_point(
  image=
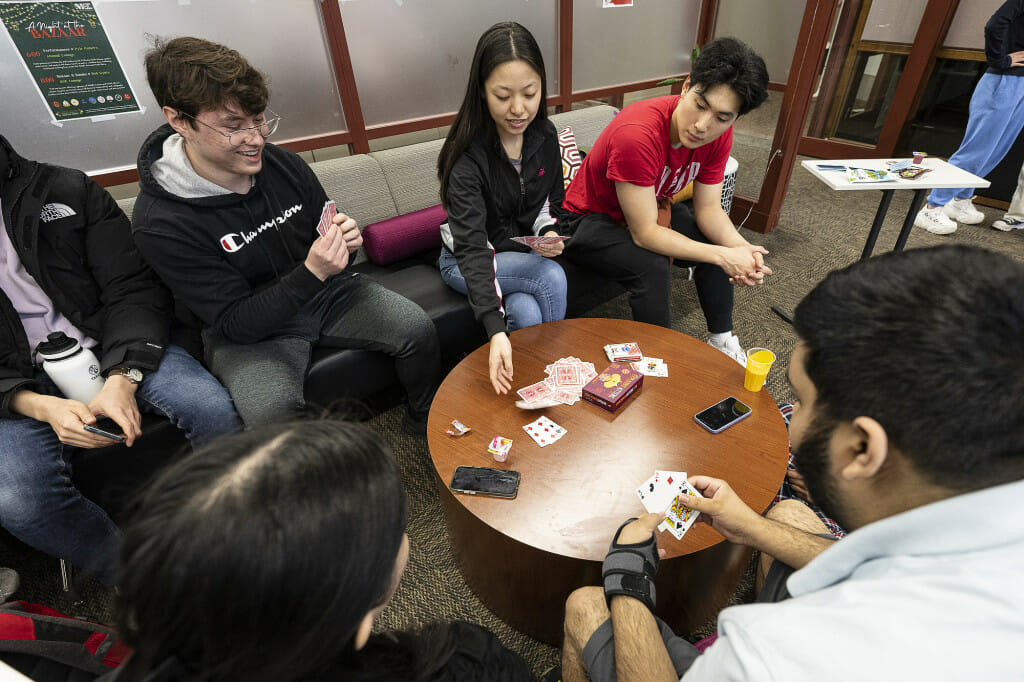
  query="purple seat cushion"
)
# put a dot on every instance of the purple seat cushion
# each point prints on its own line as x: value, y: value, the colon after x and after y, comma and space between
x: 405, y: 236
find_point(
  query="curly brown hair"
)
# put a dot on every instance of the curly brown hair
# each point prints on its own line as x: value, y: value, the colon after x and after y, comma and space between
x: 194, y: 75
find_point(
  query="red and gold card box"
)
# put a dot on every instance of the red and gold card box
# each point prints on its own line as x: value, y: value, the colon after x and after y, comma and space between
x: 613, y: 386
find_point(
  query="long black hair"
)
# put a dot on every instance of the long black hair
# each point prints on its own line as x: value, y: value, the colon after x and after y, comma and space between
x: 504, y: 42
x: 257, y: 557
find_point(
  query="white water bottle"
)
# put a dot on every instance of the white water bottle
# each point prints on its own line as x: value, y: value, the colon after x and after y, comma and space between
x: 74, y: 369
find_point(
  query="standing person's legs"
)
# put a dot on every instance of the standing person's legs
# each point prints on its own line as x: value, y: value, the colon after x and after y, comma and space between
x: 533, y: 287
x: 1013, y: 219
x: 40, y: 505
x: 356, y: 312
x: 995, y: 119
x: 183, y: 391
x: 714, y: 290
x: 602, y: 245
x: 265, y: 379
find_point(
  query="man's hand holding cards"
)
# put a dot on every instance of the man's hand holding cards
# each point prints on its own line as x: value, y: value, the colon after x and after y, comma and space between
x: 666, y: 492
x: 548, y: 245
x: 349, y: 229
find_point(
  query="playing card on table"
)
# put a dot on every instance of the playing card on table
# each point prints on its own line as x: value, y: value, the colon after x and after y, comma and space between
x: 544, y: 431
x: 679, y: 517
x: 326, y: 217
x: 652, y: 367
x: 567, y: 375
x: 537, y: 391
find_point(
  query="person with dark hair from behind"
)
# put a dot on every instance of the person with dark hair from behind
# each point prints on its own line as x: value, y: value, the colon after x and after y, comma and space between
x: 268, y: 556
x: 909, y: 433
x: 229, y: 222
x: 501, y: 177
x: 67, y: 264
x: 619, y: 203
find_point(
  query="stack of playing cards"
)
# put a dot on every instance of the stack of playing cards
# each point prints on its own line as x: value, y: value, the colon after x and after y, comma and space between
x: 651, y: 367
x: 326, y: 217
x: 544, y: 431
x: 499, y: 448
x: 565, y: 382
x: 540, y: 241
x: 623, y: 352
x: 666, y: 492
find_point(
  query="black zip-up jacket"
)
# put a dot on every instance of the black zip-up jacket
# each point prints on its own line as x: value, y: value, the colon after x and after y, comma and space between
x: 1004, y: 33
x: 489, y: 202
x: 234, y: 260
x: 76, y: 243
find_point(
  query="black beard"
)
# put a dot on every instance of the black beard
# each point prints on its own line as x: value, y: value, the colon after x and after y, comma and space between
x: 812, y: 462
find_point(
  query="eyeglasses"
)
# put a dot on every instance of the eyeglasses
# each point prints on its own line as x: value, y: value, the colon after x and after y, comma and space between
x: 242, y: 135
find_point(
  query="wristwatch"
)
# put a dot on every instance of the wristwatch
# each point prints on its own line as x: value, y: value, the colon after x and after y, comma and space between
x: 130, y: 373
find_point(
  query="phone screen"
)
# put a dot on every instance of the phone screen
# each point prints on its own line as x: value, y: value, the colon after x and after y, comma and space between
x: 723, y: 414
x: 485, y: 481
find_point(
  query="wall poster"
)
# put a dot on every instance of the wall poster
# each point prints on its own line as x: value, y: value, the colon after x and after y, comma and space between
x: 67, y: 54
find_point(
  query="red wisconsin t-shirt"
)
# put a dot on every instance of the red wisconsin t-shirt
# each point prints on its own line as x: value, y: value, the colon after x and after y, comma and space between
x: 635, y: 147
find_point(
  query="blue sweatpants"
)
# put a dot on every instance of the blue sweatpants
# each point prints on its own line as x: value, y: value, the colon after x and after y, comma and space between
x: 996, y: 118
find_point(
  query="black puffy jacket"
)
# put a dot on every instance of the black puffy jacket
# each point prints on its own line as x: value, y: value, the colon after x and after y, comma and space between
x: 76, y: 243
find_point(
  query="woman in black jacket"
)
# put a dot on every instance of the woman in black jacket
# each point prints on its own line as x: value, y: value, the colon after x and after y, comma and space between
x: 501, y: 178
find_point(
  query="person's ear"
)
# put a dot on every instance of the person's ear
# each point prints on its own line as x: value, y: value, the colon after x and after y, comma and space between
x: 867, y: 446
x: 363, y: 631
x: 177, y: 121
x: 686, y: 86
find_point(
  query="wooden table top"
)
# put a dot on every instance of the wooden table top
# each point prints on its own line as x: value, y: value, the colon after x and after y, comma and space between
x: 575, y: 492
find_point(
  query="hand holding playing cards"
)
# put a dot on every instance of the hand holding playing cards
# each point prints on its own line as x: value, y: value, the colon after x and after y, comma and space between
x: 350, y: 231
x: 722, y: 509
x: 328, y: 255
x: 500, y: 363
x: 550, y: 250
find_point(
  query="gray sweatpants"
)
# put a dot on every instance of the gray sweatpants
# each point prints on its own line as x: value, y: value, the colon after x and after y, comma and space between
x: 266, y: 378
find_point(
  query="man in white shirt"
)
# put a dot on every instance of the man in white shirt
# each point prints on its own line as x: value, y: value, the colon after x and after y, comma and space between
x: 910, y: 386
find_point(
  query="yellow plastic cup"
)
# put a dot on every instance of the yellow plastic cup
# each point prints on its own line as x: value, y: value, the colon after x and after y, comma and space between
x: 759, y: 361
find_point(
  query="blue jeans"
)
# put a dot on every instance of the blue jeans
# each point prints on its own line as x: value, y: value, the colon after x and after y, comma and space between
x: 533, y: 287
x: 996, y: 117
x: 38, y: 502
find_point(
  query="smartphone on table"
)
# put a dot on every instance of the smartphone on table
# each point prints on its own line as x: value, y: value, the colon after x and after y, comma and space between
x: 107, y: 428
x: 722, y: 415
x: 485, y: 481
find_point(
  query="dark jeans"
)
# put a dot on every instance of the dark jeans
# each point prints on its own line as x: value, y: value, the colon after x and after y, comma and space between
x: 602, y: 245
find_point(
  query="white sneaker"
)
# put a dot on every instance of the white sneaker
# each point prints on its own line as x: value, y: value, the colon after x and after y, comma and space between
x: 933, y: 219
x: 963, y: 211
x: 1007, y: 224
x: 731, y: 347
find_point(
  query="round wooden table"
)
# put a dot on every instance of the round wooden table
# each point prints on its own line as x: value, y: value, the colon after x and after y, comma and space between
x: 523, y: 557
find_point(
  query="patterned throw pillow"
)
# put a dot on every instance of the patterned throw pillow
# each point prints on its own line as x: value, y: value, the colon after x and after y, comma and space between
x: 570, y: 155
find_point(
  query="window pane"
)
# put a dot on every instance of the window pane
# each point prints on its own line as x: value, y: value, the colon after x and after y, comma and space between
x: 968, y: 27
x: 868, y: 96
x: 411, y: 58
x: 894, y: 21
x: 626, y: 44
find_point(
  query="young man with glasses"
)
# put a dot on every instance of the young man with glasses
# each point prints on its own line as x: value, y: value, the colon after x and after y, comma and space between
x: 230, y: 223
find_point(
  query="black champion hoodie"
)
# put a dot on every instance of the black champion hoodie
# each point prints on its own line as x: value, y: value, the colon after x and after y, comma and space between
x: 234, y: 260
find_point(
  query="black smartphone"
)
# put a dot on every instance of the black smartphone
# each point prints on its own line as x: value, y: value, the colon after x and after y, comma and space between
x: 722, y: 415
x: 107, y: 428
x: 485, y: 481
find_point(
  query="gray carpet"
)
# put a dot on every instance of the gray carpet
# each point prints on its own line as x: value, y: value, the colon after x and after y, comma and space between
x: 820, y: 231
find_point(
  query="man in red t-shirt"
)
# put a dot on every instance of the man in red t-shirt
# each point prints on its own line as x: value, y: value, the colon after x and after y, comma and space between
x: 649, y: 152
